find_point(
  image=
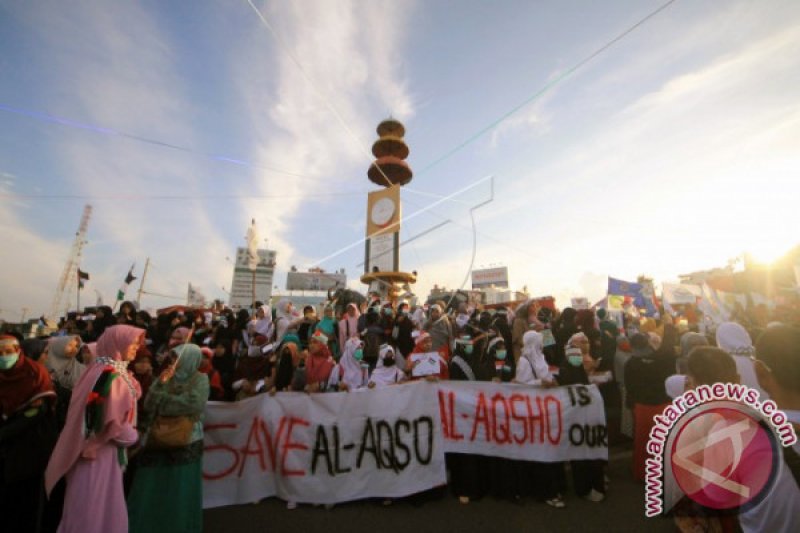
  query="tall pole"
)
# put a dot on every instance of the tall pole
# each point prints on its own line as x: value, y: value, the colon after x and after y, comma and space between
x: 79, y: 296
x: 254, y: 289
x: 141, y: 285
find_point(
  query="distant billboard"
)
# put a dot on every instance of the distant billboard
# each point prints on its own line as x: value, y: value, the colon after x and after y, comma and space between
x: 313, y: 281
x: 490, y: 276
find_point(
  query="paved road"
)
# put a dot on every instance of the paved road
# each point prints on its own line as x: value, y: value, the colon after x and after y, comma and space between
x: 622, y: 511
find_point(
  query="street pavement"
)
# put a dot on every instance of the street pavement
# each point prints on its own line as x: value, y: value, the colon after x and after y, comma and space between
x: 622, y: 511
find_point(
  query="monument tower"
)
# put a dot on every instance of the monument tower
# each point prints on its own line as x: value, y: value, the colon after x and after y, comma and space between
x: 382, y: 250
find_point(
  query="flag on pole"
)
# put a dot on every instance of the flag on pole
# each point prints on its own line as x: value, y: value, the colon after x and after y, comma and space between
x: 82, y: 276
x: 128, y: 280
x: 252, y: 246
x: 642, y: 297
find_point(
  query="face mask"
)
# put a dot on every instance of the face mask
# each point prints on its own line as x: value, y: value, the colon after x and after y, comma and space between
x: 359, y: 354
x: 500, y: 354
x: 7, y: 361
x: 468, y: 349
x: 575, y: 360
x: 387, y: 312
x: 389, y: 361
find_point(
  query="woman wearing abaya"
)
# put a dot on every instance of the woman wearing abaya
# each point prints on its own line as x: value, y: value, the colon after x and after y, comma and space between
x: 524, y: 319
x: 506, y: 478
x: 587, y: 476
x: 563, y: 328
x: 404, y: 327
x: 465, y: 469
x: 28, y: 433
x: 91, y: 451
x: 645, y: 374
x: 532, y: 369
x: 440, y: 330
x: 167, y: 491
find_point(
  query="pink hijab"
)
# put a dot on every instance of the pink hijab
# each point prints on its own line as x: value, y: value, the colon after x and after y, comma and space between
x: 119, y: 414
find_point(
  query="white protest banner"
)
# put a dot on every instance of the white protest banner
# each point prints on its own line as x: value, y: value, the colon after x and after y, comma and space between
x: 389, y: 442
x: 680, y: 294
x: 323, y: 448
x: 522, y: 422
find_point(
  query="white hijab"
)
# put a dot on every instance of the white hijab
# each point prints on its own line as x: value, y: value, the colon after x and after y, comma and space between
x: 735, y: 340
x: 386, y: 375
x: 66, y: 371
x: 263, y: 326
x: 351, y: 368
x: 534, y: 369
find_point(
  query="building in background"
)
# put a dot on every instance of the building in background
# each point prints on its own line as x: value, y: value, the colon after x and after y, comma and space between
x: 242, y: 284
x: 490, y: 277
x: 315, y: 279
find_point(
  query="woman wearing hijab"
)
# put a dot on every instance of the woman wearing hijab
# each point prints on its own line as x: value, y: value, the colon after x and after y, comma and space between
x: 262, y: 325
x: 167, y: 491
x: 27, y: 434
x: 35, y: 350
x: 506, y: 478
x: 284, y: 319
x: 465, y: 469
x: 216, y: 389
x: 329, y: 327
x: 65, y: 370
x: 587, y: 476
x: 564, y: 328
x: 532, y: 369
x: 524, y: 319
x: 440, y: 330
x: 645, y: 374
x: 351, y: 373
x: 734, y: 339
x: 348, y: 325
x: 386, y: 372
x: 255, y: 370
x: 422, y: 349
x: 319, y: 363
x: 101, y: 424
x: 291, y: 371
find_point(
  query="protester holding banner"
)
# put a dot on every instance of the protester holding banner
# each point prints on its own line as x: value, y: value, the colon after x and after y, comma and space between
x: 27, y: 434
x: 167, y: 490
x: 350, y: 373
x: 465, y: 469
x: 532, y: 368
x: 386, y: 372
x: 587, y: 475
x: 100, y: 424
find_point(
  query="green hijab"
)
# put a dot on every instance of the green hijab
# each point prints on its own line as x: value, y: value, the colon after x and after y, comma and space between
x: 189, y: 359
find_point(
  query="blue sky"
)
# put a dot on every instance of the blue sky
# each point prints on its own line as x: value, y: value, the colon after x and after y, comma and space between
x: 674, y: 150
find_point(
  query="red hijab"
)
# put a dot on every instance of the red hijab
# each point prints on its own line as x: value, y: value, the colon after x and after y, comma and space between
x: 21, y: 382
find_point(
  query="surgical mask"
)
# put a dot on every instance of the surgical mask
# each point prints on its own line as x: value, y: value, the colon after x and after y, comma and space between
x: 500, y: 354
x: 387, y: 312
x: 468, y: 349
x: 8, y: 361
x: 359, y: 354
x: 388, y: 361
x: 575, y: 360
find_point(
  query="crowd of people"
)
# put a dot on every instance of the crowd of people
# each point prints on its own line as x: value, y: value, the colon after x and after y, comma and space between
x: 103, y: 418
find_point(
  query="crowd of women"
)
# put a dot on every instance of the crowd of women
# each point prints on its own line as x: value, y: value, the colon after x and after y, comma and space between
x: 102, y: 424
